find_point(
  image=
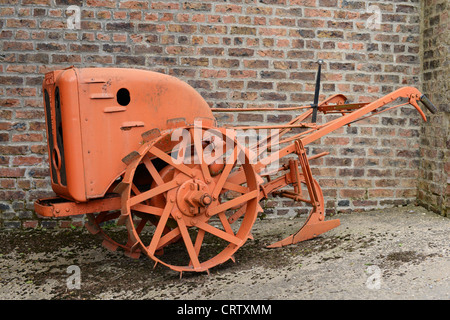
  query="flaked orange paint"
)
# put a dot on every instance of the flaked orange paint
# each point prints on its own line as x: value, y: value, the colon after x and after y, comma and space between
x: 98, y: 131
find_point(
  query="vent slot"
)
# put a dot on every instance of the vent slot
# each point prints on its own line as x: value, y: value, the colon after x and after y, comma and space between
x: 48, y: 116
x: 59, y: 139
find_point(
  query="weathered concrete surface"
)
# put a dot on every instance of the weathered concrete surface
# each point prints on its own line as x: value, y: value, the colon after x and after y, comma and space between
x: 401, y: 253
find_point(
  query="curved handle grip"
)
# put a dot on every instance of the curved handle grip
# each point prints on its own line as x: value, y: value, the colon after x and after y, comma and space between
x: 427, y: 103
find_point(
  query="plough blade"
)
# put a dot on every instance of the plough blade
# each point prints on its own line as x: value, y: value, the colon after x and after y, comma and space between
x: 308, y: 231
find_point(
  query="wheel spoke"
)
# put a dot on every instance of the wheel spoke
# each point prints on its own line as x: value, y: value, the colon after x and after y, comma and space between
x: 169, y: 160
x: 235, y: 187
x: 237, y: 214
x: 225, y: 224
x: 135, y: 189
x: 152, y: 170
x: 196, y: 133
x: 234, y: 202
x: 141, y: 225
x: 148, y: 209
x: 198, y: 242
x: 219, y: 233
x: 160, y: 228
x: 226, y: 171
x: 188, y: 243
x: 153, y: 192
x: 168, y: 237
x: 237, y: 177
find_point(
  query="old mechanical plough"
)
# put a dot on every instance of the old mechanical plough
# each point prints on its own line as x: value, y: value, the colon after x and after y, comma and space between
x: 142, y: 150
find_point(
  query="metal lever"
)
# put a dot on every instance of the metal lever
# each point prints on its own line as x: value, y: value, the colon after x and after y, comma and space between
x: 316, y: 92
x: 427, y: 103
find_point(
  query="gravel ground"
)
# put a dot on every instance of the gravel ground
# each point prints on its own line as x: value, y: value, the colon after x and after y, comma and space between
x: 400, y: 253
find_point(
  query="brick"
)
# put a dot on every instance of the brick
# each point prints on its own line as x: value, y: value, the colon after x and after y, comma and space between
x: 212, y: 51
x: 249, y: 96
x: 250, y: 117
x: 228, y: 8
x: 352, y: 193
x: 119, y: 26
x: 27, y: 137
x: 51, y: 46
x: 208, y: 73
x: 17, y: 46
x: 30, y: 224
x: 144, y: 49
x: 52, y: 24
x: 282, y: 118
x: 273, y: 96
x: 259, y: 85
x: 197, y: 6
x: 243, y: 73
x: 212, y: 29
x: 288, y: 86
x: 101, y: 3
x: 138, y: 5
x: 256, y: 64
x: 273, y: 75
x: 225, y: 63
x: 243, y: 30
x: 379, y: 173
x: 240, y: 52
x: 381, y: 193
x: 230, y: 84
x: 330, y: 34
x: 66, y: 58
x: 21, y: 23
x: 11, y: 172
x: 130, y: 60
x: 11, y: 80
x: 317, y: 13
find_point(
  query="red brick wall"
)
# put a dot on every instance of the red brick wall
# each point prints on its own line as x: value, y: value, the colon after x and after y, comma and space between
x: 242, y: 53
x: 434, y: 176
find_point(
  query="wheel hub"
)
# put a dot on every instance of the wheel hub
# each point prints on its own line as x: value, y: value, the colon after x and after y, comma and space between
x: 193, y: 197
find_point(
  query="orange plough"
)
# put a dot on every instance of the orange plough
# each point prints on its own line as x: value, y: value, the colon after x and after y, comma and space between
x: 142, y: 150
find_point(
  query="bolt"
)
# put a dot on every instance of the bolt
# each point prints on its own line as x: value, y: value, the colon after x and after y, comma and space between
x: 206, y: 200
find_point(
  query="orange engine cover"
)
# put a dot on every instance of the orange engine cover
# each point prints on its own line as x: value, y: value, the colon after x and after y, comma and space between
x: 96, y: 116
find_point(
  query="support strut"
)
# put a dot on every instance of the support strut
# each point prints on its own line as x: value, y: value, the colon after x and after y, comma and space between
x: 315, y: 223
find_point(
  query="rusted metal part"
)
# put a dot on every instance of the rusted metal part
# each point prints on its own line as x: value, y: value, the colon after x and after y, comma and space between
x: 115, y: 155
x: 58, y: 207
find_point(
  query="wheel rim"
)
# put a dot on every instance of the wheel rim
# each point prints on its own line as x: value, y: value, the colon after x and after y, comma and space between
x: 193, y: 200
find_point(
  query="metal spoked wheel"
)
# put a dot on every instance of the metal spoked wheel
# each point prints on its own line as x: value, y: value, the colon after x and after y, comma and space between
x: 188, y: 200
